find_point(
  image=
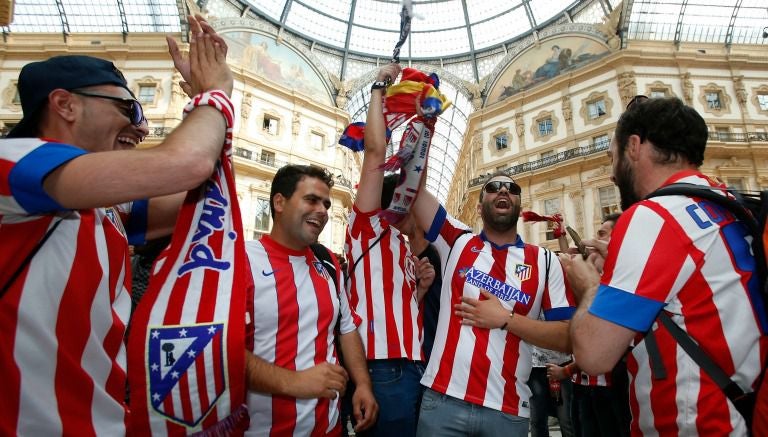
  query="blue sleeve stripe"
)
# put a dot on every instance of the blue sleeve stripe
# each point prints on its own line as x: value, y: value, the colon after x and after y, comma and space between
x: 136, y: 228
x: 437, y: 224
x: 27, y: 176
x: 626, y: 309
x: 562, y: 313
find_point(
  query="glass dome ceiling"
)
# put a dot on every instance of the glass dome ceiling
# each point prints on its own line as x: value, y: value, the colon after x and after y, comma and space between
x: 441, y: 28
x: 464, y: 38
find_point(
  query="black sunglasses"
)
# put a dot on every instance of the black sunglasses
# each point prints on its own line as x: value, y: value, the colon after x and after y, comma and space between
x: 135, y: 111
x: 495, y: 187
x: 635, y: 101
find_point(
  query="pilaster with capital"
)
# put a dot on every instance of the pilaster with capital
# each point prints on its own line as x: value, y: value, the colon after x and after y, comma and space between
x: 245, y: 110
x: 687, y: 88
x: 627, y: 87
x: 577, y: 200
x: 520, y: 128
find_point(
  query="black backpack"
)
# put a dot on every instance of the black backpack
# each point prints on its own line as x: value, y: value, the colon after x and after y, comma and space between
x: 751, y: 208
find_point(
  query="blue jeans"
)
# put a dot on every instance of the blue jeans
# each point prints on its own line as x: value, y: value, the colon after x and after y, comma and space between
x: 446, y: 416
x: 398, y: 391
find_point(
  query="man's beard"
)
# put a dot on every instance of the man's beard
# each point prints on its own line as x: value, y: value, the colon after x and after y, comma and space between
x: 625, y: 180
x: 500, y: 222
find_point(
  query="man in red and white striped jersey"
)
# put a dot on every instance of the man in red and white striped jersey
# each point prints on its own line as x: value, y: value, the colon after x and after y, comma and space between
x: 477, y: 372
x: 295, y: 377
x: 677, y: 254
x: 64, y: 265
x: 386, y: 284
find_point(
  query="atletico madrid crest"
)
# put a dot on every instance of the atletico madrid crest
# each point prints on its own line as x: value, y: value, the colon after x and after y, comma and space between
x: 523, y: 272
x: 186, y: 370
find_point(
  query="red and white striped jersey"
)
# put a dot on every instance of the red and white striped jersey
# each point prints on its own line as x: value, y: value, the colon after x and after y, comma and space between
x: 296, y: 307
x: 490, y: 367
x: 62, y: 356
x: 585, y: 379
x: 691, y: 258
x: 382, y: 288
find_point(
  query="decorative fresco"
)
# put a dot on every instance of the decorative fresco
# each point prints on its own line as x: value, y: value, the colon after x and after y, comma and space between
x: 277, y: 62
x: 551, y: 58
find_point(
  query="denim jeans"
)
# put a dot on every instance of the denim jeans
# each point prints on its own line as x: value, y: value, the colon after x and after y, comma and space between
x: 446, y: 416
x: 543, y: 405
x: 398, y: 391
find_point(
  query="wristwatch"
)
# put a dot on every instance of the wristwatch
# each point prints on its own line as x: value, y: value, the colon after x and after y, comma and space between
x: 379, y: 84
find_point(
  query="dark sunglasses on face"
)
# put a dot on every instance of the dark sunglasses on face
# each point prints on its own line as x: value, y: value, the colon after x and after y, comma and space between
x: 635, y: 101
x: 495, y: 186
x: 135, y: 111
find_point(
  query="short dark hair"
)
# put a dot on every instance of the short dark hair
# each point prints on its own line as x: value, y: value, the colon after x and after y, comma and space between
x: 388, y: 189
x: 288, y: 177
x: 676, y: 130
x: 613, y: 217
x: 496, y: 174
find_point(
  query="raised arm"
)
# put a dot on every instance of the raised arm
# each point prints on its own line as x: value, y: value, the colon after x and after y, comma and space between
x: 182, y: 162
x: 371, y: 176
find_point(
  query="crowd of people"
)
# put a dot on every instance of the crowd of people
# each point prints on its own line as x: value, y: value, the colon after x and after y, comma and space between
x: 429, y: 329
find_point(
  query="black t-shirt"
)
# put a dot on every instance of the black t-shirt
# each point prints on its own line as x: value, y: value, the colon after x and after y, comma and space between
x: 431, y: 302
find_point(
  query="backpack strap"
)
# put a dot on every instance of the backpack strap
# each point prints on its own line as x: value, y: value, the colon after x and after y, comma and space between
x: 547, y: 265
x: 365, y: 252
x: 324, y: 255
x: 28, y: 259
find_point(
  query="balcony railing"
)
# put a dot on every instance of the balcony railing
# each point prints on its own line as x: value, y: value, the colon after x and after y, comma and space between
x: 547, y: 161
x: 738, y: 137
x: 732, y: 137
x: 274, y: 163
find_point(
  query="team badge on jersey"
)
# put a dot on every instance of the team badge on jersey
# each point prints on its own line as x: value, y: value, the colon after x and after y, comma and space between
x: 186, y: 370
x: 523, y: 271
x: 320, y: 268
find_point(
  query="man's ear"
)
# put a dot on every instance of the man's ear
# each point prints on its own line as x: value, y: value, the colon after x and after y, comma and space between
x: 279, y: 203
x: 634, y: 147
x: 63, y: 103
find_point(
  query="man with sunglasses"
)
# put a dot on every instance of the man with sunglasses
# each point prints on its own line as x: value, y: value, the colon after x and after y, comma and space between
x: 671, y: 261
x: 64, y: 264
x: 480, y: 361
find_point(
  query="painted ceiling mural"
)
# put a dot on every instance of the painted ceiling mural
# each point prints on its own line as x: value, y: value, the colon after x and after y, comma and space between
x: 278, y: 63
x: 550, y: 59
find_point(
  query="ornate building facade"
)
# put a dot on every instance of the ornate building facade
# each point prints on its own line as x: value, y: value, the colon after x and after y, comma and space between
x: 552, y: 136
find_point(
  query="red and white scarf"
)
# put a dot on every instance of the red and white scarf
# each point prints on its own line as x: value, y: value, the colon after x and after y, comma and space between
x: 186, y: 363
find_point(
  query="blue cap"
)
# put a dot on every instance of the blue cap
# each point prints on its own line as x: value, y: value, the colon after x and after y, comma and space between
x: 38, y: 79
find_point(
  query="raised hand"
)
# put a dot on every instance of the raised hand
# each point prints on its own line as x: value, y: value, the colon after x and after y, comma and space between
x: 199, y: 28
x: 388, y: 73
x: 582, y: 274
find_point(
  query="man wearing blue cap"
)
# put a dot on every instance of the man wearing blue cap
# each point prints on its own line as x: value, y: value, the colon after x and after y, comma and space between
x: 64, y: 264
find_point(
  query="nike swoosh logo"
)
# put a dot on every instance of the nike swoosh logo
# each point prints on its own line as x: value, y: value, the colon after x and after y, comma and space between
x: 266, y: 273
x: 476, y: 249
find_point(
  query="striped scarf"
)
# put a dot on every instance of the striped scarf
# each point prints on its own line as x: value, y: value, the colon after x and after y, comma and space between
x: 186, y: 363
